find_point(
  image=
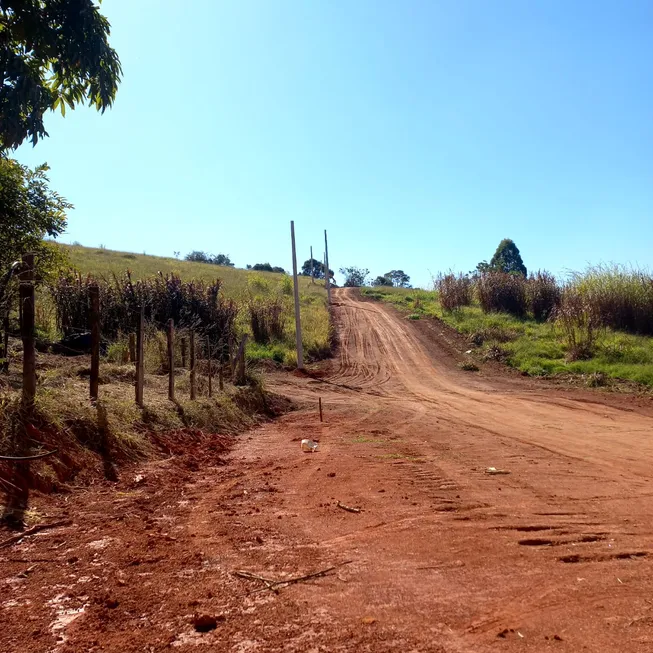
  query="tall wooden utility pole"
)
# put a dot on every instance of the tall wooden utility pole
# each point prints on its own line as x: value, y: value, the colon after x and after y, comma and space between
x: 298, y: 324
x: 326, y: 272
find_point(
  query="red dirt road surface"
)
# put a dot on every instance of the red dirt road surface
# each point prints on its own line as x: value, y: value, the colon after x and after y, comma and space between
x: 554, y: 554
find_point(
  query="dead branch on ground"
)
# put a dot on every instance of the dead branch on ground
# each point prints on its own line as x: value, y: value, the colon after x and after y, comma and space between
x: 32, y: 531
x: 274, y: 584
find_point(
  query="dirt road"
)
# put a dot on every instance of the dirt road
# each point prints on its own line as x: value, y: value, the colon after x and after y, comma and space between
x: 554, y: 555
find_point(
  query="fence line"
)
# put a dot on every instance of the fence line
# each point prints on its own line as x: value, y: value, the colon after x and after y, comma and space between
x: 134, y: 351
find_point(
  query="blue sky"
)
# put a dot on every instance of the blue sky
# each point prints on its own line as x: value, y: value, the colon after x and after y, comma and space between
x: 419, y: 133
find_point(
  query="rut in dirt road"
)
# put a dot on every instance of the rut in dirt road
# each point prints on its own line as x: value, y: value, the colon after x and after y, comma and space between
x: 555, y: 554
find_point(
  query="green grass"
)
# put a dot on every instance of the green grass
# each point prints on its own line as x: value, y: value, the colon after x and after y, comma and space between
x: 238, y: 284
x: 529, y: 346
x: 106, y: 262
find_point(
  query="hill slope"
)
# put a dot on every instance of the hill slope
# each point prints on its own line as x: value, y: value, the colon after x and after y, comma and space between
x: 106, y: 263
x: 238, y: 284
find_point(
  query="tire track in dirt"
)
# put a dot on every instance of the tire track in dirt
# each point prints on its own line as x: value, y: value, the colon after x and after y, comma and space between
x: 445, y: 558
x: 559, y: 451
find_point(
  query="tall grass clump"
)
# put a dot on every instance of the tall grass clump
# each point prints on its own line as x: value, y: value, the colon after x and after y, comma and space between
x: 267, y: 319
x: 543, y: 294
x: 499, y: 292
x: 576, y: 321
x: 196, y: 304
x: 621, y: 297
x: 454, y: 290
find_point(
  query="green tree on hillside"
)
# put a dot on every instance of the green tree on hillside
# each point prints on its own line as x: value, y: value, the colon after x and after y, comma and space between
x: 382, y: 281
x: 354, y: 276
x: 318, y: 269
x: 53, y: 53
x: 197, y: 256
x: 266, y: 267
x: 506, y: 258
x: 222, y: 259
x: 399, y: 278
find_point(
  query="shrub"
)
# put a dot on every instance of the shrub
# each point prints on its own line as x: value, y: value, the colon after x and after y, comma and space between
x: 454, y: 290
x: 502, y: 292
x: 257, y: 284
x: 286, y: 286
x: 543, y: 295
x: 493, y: 333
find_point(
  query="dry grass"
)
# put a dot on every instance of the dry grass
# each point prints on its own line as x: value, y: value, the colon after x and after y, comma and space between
x: 621, y: 298
x: 499, y: 292
x: 577, y: 323
x: 241, y: 286
x: 66, y: 420
x: 544, y: 293
x: 455, y: 291
x: 106, y: 263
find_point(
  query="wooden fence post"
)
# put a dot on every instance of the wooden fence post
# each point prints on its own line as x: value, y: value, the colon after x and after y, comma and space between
x: 132, y: 348
x: 27, y: 331
x: 94, y: 318
x: 232, y: 357
x: 326, y: 262
x: 140, y: 355
x: 183, y: 352
x: 208, y: 355
x: 240, y: 358
x: 171, y: 359
x: 193, y: 385
x: 4, y: 367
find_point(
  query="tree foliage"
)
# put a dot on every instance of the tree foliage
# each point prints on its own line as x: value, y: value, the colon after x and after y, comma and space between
x: 506, y: 259
x: 53, y: 54
x: 29, y: 212
x: 398, y: 278
x: 318, y: 269
x: 354, y: 276
x: 382, y: 281
x: 266, y: 267
x: 197, y: 256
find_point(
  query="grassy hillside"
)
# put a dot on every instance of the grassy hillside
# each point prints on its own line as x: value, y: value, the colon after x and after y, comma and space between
x: 106, y: 262
x: 238, y: 284
x: 535, y: 348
